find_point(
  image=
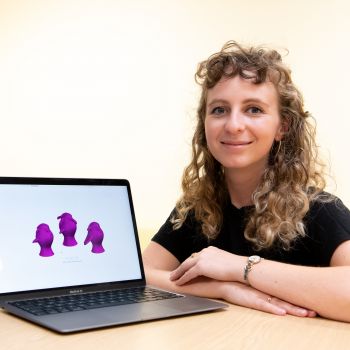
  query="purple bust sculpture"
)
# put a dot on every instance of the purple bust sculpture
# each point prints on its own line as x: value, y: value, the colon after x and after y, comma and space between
x: 68, y: 227
x: 95, y: 236
x: 44, y: 237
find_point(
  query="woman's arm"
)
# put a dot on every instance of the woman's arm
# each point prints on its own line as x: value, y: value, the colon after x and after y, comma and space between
x: 323, y: 289
x: 159, y: 263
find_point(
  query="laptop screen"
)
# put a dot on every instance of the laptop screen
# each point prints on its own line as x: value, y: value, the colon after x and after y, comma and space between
x: 62, y: 235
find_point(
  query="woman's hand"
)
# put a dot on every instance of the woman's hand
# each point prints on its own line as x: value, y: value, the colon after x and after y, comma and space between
x: 241, y: 294
x: 211, y: 262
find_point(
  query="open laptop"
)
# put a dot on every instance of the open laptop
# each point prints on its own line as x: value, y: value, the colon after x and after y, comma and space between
x: 70, y: 256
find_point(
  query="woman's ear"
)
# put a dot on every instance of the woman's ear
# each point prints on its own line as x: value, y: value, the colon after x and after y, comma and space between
x: 282, y: 130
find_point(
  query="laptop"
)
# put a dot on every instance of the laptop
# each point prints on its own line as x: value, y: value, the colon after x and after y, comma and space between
x: 70, y: 257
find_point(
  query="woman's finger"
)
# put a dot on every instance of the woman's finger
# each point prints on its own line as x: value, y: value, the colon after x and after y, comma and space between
x: 183, y: 268
x: 281, y: 307
x: 266, y: 305
x: 247, y: 296
x: 293, y: 309
x: 188, y: 276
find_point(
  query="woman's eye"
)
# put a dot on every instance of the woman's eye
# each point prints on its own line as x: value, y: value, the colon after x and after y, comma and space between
x: 218, y: 110
x: 254, y: 110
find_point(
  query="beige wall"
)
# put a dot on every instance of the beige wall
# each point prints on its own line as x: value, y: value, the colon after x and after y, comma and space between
x: 104, y: 88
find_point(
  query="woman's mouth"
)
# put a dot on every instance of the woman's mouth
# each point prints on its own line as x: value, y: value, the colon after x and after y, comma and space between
x: 236, y: 143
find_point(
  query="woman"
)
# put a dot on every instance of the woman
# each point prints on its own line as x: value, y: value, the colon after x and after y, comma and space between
x: 253, y: 225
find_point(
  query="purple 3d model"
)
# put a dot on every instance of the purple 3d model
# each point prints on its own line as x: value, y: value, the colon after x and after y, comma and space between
x: 95, y: 236
x: 44, y: 237
x: 68, y: 227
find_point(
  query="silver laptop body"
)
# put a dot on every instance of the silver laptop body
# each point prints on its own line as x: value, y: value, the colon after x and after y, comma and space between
x: 69, y: 238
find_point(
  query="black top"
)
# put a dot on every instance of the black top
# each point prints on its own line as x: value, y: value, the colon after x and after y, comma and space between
x: 327, y: 226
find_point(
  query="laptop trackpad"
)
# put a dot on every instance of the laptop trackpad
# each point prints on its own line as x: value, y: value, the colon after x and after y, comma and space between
x: 146, y: 311
x: 110, y: 316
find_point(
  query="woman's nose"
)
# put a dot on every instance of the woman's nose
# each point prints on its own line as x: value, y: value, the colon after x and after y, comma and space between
x: 235, y: 122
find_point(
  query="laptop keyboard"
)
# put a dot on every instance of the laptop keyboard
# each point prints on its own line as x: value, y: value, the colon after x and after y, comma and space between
x: 86, y: 301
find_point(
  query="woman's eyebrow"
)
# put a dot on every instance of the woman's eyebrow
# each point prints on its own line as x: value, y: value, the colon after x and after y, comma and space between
x: 256, y: 100
x: 216, y: 101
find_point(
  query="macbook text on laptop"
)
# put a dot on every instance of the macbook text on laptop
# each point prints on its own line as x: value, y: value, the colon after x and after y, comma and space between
x: 70, y: 256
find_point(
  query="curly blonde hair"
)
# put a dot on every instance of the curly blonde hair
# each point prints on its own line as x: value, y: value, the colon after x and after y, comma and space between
x: 294, y: 176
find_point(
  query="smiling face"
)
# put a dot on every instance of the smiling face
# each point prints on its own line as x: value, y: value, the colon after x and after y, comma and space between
x: 242, y: 121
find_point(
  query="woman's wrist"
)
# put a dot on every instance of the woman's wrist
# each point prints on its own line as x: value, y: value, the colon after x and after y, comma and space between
x: 249, y: 266
x: 240, y: 266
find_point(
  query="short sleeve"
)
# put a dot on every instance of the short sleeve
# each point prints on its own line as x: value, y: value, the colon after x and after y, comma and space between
x: 328, y: 224
x: 180, y: 242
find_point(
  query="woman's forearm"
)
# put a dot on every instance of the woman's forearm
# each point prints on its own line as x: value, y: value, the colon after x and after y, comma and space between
x: 323, y: 289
